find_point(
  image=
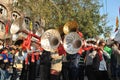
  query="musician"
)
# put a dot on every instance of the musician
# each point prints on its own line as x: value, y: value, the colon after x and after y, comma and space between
x: 56, y: 65
x: 103, y: 74
x: 91, y: 60
x: 45, y: 63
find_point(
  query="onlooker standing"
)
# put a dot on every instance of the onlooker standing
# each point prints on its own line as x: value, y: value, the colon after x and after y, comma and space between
x: 116, y: 52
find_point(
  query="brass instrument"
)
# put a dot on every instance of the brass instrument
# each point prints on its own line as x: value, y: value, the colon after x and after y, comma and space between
x: 50, y: 40
x: 70, y: 26
x: 72, y: 43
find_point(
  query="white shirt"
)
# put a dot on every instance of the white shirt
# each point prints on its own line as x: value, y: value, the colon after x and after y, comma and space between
x: 102, y: 66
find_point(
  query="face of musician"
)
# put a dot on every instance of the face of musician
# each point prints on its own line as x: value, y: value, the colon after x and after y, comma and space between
x: 101, y: 44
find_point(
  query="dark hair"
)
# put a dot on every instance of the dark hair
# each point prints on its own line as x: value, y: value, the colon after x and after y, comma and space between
x: 101, y: 42
x: 11, y: 48
x: 18, y: 42
x: 5, y: 48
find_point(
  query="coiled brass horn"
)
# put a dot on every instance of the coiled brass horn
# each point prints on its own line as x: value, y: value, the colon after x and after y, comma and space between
x: 70, y: 26
x: 50, y: 40
x: 72, y: 43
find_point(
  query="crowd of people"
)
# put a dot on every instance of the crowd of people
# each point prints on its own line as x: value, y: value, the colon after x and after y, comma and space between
x: 98, y: 60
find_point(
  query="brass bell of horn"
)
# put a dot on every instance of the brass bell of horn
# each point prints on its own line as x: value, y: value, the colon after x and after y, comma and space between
x: 72, y: 43
x: 70, y: 26
x: 50, y: 40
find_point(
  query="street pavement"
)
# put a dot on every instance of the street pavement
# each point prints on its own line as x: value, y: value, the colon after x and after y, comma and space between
x: 39, y: 78
x: 84, y: 78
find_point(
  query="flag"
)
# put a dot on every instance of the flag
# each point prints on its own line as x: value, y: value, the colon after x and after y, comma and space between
x: 31, y: 26
x: 27, y: 42
x: 117, y: 24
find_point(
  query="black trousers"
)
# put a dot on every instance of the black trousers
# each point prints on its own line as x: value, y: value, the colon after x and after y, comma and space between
x: 44, y: 72
x: 32, y: 71
x: 73, y: 73
x: 103, y: 75
x: 54, y: 77
x: 90, y: 73
x: 81, y: 73
x: 64, y: 72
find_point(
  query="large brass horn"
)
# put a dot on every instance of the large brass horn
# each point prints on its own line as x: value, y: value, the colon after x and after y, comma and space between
x: 72, y: 43
x: 50, y: 40
x: 70, y: 26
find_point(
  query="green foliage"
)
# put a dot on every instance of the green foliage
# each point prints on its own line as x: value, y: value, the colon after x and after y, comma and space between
x: 58, y: 12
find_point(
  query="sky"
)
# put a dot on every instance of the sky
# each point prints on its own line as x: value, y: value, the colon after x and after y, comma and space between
x: 111, y: 7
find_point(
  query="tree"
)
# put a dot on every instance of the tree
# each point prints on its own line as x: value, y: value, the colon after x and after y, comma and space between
x: 58, y: 12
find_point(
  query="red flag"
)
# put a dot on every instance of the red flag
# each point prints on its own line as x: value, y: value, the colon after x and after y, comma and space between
x: 27, y: 42
x: 117, y: 24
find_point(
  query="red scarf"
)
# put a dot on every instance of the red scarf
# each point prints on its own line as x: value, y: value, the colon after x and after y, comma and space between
x: 100, y: 54
x: 37, y: 55
x: 61, y: 50
x: 26, y: 60
x: 84, y: 49
x: 32, y: 57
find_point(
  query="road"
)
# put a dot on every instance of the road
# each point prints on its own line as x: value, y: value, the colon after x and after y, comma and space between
x: 39, y: 78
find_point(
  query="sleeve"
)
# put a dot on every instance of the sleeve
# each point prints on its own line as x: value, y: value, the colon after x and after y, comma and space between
x: 92, y: 55
x: 4, y: 56
x: 106, y: 54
